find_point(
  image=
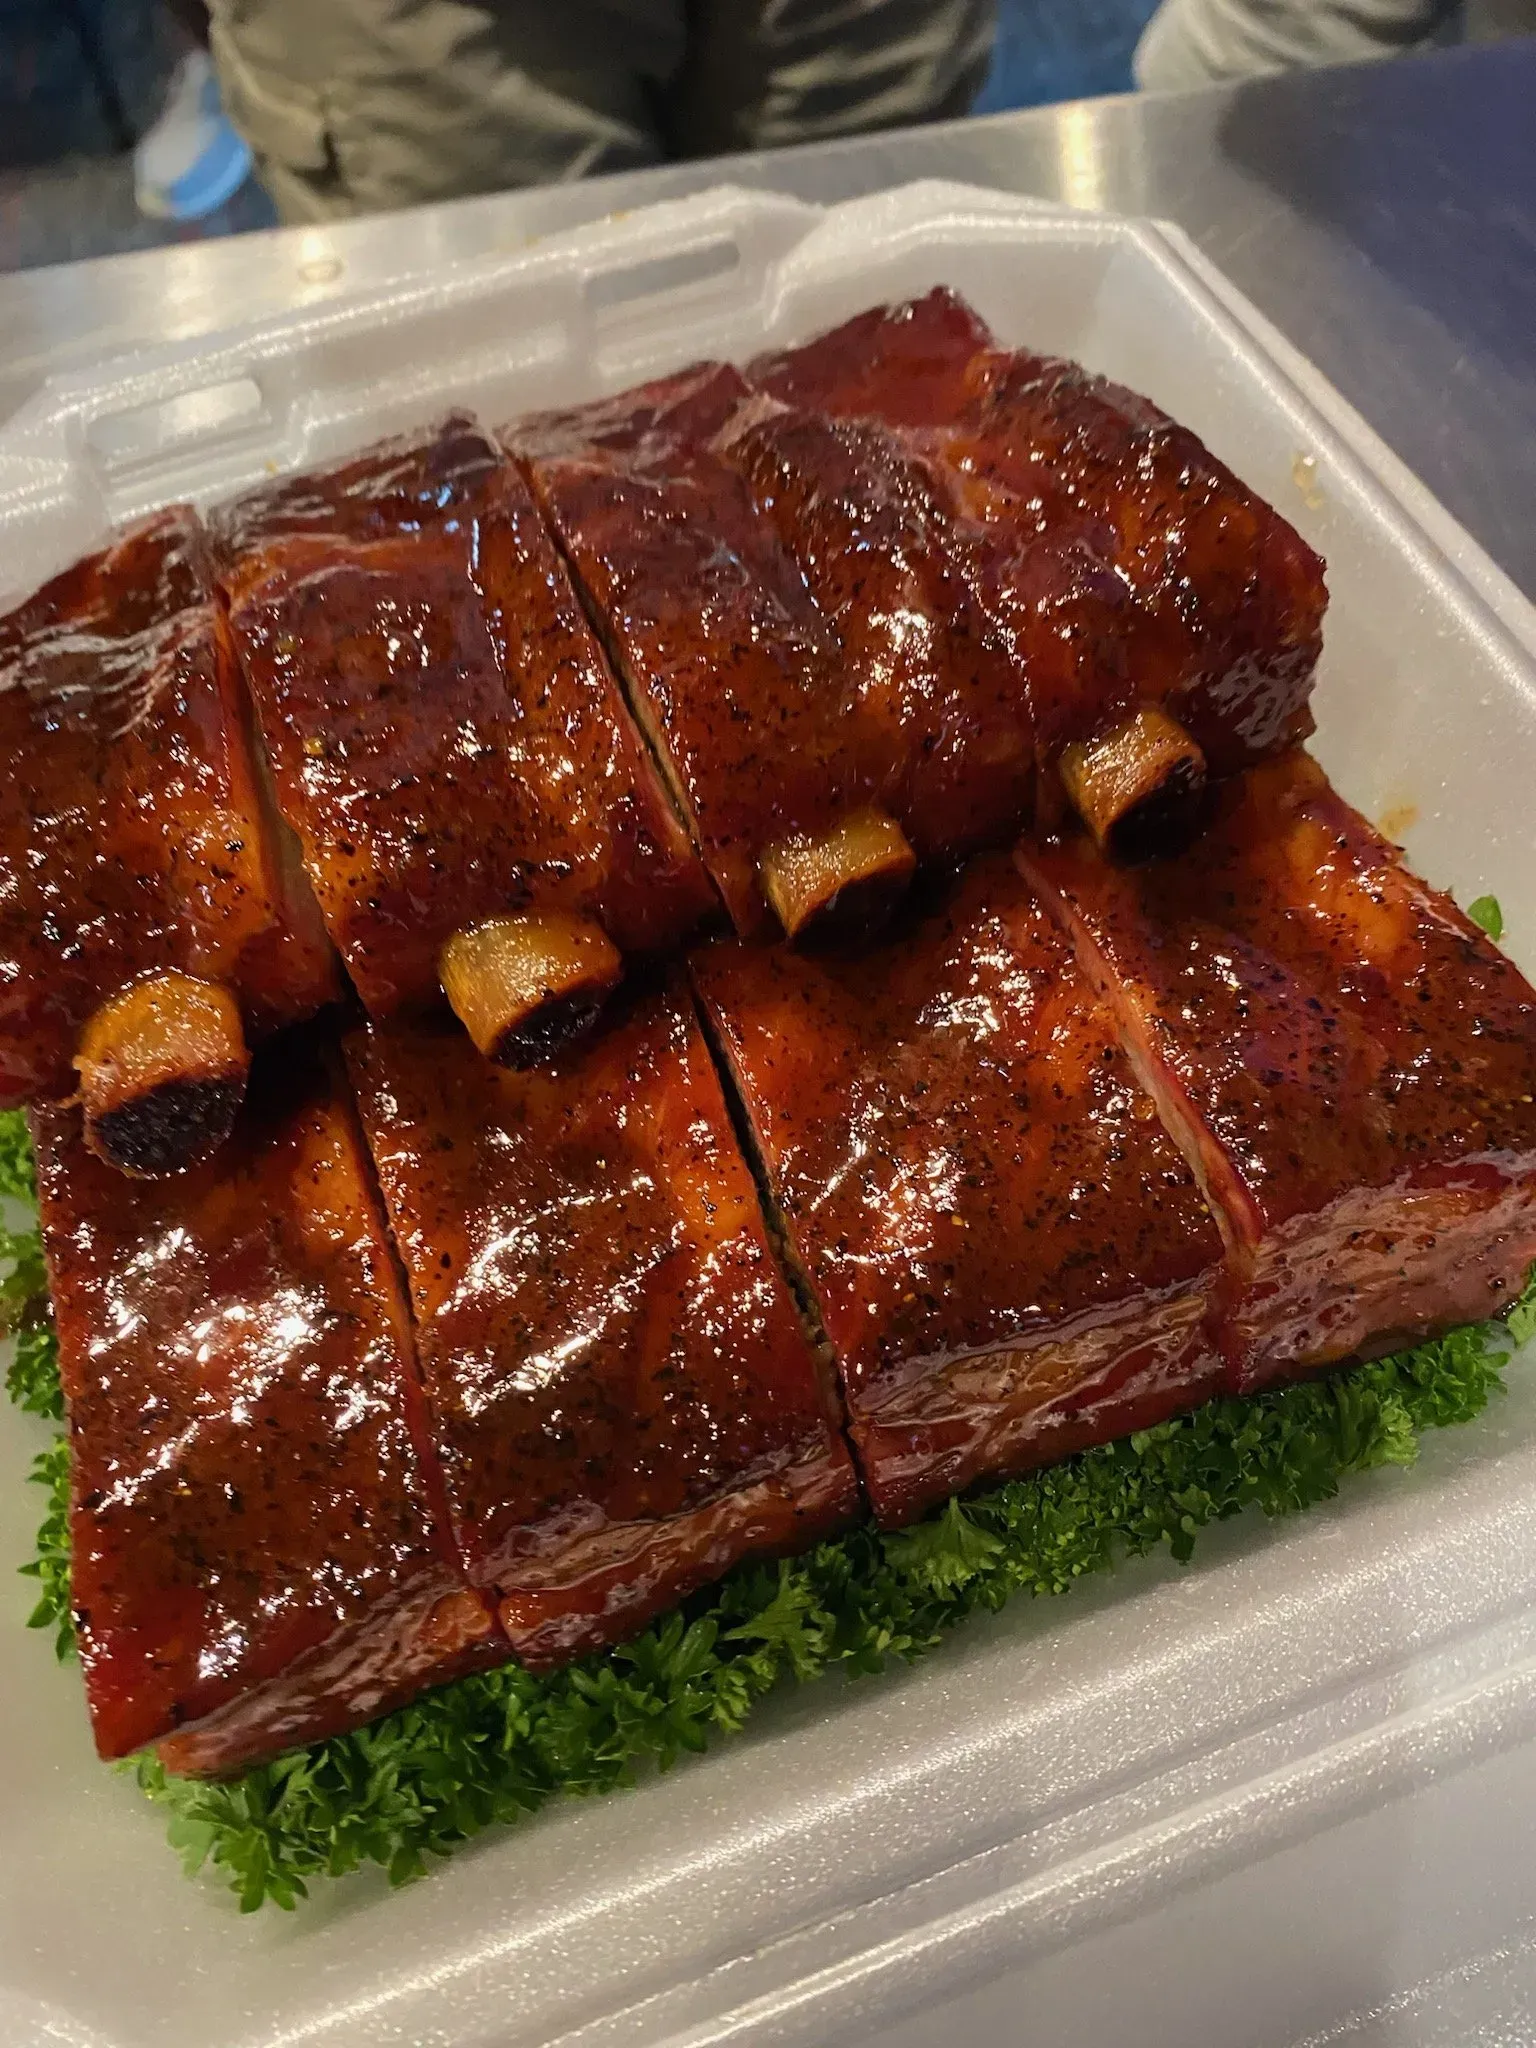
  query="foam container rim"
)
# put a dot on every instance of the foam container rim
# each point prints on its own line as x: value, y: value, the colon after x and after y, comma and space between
x: 1056, y: 1771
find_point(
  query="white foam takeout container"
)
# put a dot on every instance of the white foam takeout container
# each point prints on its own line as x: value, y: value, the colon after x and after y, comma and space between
x: 1227, y: 1804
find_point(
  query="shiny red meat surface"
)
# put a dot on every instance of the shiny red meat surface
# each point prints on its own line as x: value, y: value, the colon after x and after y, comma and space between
x: 133, y: 837
x: 1122, y: 564
x: 1173, y: 584
x: 445, y: 736
x: 911, y: 365
x: 623, y: 1400
x: 259, y: 1558
x: 414, y: 483
x: 666, y: 423
x: 1347, y: 1061
x: 1009, y: 1255
x: 946, y: 710
x: 738, y: 680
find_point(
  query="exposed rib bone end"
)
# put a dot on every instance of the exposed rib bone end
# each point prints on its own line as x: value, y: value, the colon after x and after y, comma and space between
x: 522, y: 985
x: 162, y: 1070
x: 847, y: 879
x: 1137, y: 788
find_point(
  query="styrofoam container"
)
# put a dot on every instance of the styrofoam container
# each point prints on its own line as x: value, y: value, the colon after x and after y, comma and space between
x: 1148, y: 1810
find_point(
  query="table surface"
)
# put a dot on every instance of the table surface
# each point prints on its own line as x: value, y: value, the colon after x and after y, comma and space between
x: 1383, y: 216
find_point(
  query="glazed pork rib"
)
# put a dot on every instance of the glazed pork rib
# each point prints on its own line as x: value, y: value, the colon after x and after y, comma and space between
x: 622, y: 1397
x: 151, y: 918
x: 1349, y: 1064
x: 1222, y: 628
x: 1167, y: 620
x: 851, y: 643
x: 288, y: 1516
x: 860, y: 518
x: 259, y: 1554
x: 737, y: 679
x: 477, y: 813
x: 1009, y: 1256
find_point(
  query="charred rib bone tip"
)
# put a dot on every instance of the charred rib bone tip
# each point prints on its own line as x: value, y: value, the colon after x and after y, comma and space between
x: 162, y: 1067
x: 522, y: 985
x: 843, y: 880
x: 1138, y: 787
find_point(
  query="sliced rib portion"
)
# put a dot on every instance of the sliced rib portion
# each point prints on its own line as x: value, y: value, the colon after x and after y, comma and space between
x: 1347, y: 1062
x: 137, y: 856
x: 1126, y: 569
x: 738, y: 681
x: 1221, y: 625
x: 258, y: 1559
x: 948, y: 710
x: 622, y: 1397
x: 1009, y: 1255
x: 445, y: 736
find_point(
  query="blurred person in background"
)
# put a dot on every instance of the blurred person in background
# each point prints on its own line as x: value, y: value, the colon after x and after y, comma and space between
x: 352, y: 106
x: 1191, y: 43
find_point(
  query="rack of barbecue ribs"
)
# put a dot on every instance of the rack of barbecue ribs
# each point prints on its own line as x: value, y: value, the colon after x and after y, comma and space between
x: 151, y: 917
x: 623, y: 1399
x: 740, y: 682
x: 882, y: 600
x: 477, y: 815
x: 442, y: 1359
x: 1009, y: 1256
x: 1167, y: 620
x: 260, y: 1553
x: 1348, y: 1063
x: 988, y: 1139
x: 1063, y: 1154
x: 300, y: 1493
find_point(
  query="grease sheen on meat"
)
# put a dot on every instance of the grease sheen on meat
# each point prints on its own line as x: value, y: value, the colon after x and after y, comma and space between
x: 258, y: 1559
x: 622, y: 1396
x: 917, y: 364
x: 1009, y: 1255
x: 1122, y: 564
x: 445, y: 736
x: 738, y: 679
x: 1348, y: 1061
x: 946, y: 710
x: 1165, y: 581
x: 132, y: 832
